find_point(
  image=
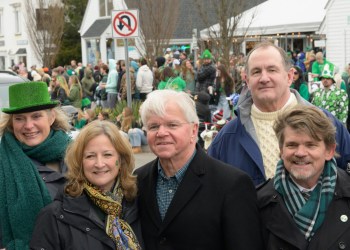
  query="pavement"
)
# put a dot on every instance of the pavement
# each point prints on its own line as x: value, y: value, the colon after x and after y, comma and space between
x: 144, y: 157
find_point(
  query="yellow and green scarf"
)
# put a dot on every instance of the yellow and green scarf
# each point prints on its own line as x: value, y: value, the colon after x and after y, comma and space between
x: 111, y: 204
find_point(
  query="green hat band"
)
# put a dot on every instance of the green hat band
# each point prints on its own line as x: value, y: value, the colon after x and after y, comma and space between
x: 29, y: 97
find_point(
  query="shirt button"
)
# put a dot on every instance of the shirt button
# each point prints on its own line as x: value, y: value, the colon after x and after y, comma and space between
x: 44, y: 178
x: 342, y: 245
x: 170, y: 191
x: 87, y: 229
x: 61, y: 216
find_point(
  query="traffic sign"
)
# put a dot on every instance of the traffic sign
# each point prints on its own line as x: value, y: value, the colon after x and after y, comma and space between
x: 125, y: 23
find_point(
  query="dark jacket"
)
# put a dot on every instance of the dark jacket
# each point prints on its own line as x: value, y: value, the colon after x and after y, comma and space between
x: 281, y: 232
x: 205, y: 77
x: 214, y: 207
x: 73, y: 223
x: 236, y: 145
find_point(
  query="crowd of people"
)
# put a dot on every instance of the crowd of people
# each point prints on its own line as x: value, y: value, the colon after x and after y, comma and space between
x: 274, y: 176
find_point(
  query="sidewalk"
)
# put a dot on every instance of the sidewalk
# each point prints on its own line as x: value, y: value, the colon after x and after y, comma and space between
x: 144, y: 157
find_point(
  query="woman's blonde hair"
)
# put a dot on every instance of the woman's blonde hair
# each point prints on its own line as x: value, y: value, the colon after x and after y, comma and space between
x: 61, y: 121
x: 63, y: 84
x: 74, y: 158
x: 127, y: 119
x: 75, y: 81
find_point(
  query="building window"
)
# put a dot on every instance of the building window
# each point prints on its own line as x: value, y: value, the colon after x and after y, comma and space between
x: 93, y: 51
x: 1, y: 22
x: 106, y: 6
x: 110, y: 48
x: 17, y: 17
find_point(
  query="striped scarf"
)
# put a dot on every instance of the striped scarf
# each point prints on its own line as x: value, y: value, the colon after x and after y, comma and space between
x: 111, y: 204
x: 307, y: 214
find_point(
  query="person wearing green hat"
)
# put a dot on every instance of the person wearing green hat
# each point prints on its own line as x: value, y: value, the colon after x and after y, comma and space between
x: 330, y: 97
x: 206, y: 73
x: 32, y: 148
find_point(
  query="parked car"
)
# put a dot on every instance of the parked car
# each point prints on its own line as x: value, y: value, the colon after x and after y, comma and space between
x: 7, y: 78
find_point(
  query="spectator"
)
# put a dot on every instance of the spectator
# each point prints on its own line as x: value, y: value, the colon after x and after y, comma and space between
x: 33, y: 144
x: 144, y: 79
x: 306, y: 204
x: 330, y: 97
x: 97, y: 209
x: 249, y: 142
x: 181, y: 217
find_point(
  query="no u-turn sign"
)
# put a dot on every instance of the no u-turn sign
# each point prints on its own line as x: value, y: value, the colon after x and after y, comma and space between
x: 125, y: 23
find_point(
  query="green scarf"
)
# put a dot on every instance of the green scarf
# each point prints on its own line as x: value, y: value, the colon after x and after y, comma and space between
x: 307, y: 214
x: 22, y: 191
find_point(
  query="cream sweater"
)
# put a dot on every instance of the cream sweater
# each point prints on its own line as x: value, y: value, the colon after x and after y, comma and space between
x: 268, y: 144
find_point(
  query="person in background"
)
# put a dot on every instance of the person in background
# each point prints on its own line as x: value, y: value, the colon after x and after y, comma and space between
x: 189, y: 76
x: 34, y: 139
x: 60, y: 90
x: 169, y: 80
x: 144, y: 79
x: 330, y: 97
x: 223, y: 89
x: 203, y: 112
x: 75, y: 91
x: 84, y: 117
x: 111, y: 85
x: 186, y: 199
x: 206, y: 73
x: 248, y: 142
x: 103, y: 115
x: 87, y: 84
x: 306, y: 204
x: 318, y: 66
x: 299, y: 83
x: 97, y: 209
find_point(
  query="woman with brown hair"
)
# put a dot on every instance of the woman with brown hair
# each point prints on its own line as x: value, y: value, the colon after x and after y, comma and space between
x: 97, y: 209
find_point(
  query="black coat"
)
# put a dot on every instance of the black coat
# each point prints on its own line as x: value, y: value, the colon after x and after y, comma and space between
x: 206, y: 77
x: 73, y: 223
x: 214, y: 207
x: 281, y: 232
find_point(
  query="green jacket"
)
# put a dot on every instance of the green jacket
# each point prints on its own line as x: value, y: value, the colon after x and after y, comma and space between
x: 75, y: 96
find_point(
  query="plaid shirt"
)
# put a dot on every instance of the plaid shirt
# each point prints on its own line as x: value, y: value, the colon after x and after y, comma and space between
x: 166, y: 187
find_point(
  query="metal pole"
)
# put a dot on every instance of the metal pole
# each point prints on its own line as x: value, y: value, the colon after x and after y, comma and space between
x: 128, y: 84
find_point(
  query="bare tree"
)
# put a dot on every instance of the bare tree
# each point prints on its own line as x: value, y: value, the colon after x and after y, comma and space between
x: 158, y: 20
x: 45, y: 22
x: 228, y: 14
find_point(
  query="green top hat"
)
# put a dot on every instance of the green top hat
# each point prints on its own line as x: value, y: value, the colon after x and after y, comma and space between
x: 28, y: 97
x: 328, y: 71
x: 206, y: 55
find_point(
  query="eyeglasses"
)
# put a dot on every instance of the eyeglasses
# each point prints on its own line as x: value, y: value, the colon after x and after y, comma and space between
x: 170, y: 126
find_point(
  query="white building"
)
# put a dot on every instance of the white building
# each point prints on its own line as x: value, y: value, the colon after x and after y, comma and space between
x: 289, y: 24
x: 97, y: 41
x: 336, y: 27
x: 15, y: 44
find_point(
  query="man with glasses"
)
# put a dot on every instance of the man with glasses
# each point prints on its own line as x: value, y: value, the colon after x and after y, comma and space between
x: 188, y: 200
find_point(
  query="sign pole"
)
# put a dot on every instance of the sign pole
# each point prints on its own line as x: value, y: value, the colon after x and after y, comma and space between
x: 128, y: 84
x: 125, y: 25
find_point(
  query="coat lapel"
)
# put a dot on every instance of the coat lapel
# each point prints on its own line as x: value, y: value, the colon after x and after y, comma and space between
x: 274, y: 212
x: 187, y: 188
x: 337, y: 219
x: 149, y: 197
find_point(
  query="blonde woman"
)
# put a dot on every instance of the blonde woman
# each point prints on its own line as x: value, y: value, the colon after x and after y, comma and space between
x: 75, y: 91
x: 60, y: 91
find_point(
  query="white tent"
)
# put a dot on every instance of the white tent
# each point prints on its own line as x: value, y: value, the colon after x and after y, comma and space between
x: 279, y: 17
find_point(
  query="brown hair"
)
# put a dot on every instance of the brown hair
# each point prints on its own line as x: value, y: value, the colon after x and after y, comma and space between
x: 309, y: 120
x: 74, y: 158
